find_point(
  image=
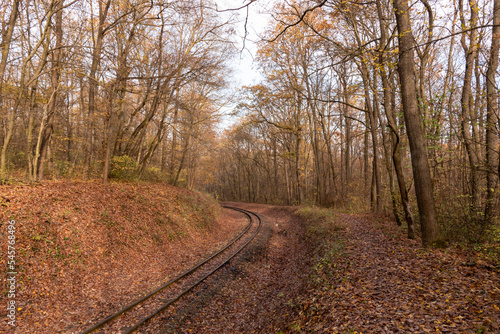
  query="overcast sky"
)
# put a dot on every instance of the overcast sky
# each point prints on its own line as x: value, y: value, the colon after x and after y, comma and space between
x: 245, y: 72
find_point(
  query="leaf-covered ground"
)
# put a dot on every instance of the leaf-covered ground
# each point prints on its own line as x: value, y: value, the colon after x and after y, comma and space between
x: 348, y: 274
x: 83, y: 248
x: 371, y: 279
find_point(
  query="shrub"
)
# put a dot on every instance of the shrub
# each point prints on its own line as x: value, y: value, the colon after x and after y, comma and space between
x: 322, y: 221
x: 459, y: 222
x: 153, y: 174
x: 62, y: 168
x: 123, y: 168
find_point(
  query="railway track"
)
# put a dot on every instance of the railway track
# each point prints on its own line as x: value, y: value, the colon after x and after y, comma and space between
x: 138, y: 313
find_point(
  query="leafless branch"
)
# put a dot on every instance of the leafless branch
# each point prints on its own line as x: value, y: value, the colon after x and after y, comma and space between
x: 234, y: 9
x: 301, y: 18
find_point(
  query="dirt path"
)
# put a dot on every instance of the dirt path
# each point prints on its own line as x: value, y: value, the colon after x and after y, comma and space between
x: 371, y: 280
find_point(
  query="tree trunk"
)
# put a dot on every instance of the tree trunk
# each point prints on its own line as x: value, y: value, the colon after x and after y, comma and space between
x: 492, y: 141
x: 6, y: 40
x: 298, y: 185
x: 424, y: 56
x: 371, y: 108
x: 471, y: 52
x: 377, y: 196
x: 55, y: 81
x: 421, y: 171
x: 366, y: 158
x: 93, y: 84
x: 391, y: 120
x: 34, y: 155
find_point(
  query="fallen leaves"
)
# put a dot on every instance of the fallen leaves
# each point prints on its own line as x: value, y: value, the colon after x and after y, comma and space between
x: 387, y: 283
x: 84, y: 246
x: 367, y: 277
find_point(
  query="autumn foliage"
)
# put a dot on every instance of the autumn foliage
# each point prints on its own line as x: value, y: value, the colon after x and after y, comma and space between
x: 83, y: 246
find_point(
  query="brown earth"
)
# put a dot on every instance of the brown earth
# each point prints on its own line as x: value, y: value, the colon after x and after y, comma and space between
x: 84, y: 249
x: 297, y: 278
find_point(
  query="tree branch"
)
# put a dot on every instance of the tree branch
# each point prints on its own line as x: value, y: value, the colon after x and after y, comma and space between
x: 301, y: 18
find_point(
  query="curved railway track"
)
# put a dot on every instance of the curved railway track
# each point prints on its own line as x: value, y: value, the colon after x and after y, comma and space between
x: 138, y: 313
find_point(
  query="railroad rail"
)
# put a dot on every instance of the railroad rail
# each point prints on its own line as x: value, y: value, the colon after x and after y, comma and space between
x: 163, y: 297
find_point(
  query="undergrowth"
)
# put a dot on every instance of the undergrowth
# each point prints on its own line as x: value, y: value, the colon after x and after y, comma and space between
x: 322, y: 221
x: 465, y: 227
x: 324, y: 231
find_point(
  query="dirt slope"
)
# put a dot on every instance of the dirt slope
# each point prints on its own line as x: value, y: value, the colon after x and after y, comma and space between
x: 81, y: 247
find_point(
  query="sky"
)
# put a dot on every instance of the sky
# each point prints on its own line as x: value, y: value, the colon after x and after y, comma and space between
x: 245, y: 71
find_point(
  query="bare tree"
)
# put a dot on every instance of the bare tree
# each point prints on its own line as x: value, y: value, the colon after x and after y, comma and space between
x: 492, y: 125
x: 7, y: 31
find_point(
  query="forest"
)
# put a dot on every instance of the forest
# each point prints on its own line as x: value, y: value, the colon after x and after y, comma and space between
x: 388, y: 106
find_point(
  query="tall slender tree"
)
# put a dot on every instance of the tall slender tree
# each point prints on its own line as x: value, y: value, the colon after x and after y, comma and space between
x: 421, y: 171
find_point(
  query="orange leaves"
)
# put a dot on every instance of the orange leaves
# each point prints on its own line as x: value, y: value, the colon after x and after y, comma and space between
x: 77, y: 239
x: 389, y: 284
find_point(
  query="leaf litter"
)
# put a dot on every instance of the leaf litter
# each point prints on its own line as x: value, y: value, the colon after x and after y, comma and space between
x: 362, y: 276
x: 83, y: 249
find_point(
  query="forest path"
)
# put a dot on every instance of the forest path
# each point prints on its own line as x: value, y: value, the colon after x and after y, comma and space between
x: 382, y: 282
x: 366, y: 278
